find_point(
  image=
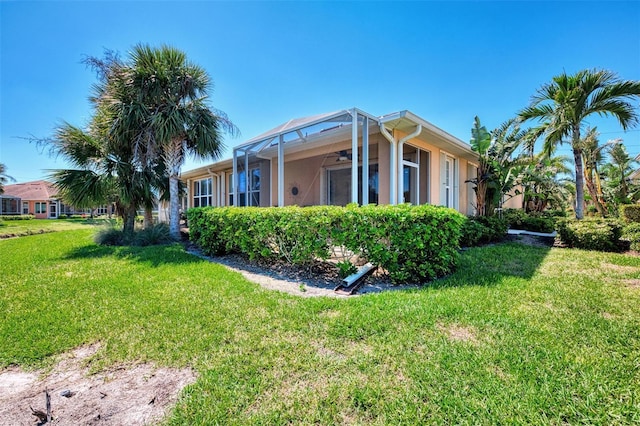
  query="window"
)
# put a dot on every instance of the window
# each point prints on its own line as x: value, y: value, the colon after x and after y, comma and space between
x: 25, y: 207
x: 202, y: 192
x: 253, y: 193
x: 41, y: 208
x: 9, y: 205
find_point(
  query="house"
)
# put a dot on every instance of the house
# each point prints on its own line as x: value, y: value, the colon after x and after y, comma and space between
x: 319, y: 160
x: 39, y: 198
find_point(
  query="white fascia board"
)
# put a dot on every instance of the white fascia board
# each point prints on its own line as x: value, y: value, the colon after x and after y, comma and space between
x: 203, y: 170
x: 463, y: 146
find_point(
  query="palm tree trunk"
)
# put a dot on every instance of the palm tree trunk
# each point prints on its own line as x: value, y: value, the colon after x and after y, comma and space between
x: 173, y: 161
x: 129, y: 219
x: 591, y: 187
x: 148, y: 217
x: 577, y: 157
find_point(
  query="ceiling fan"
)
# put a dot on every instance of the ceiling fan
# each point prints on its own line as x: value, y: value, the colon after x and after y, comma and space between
x: 343, y: 156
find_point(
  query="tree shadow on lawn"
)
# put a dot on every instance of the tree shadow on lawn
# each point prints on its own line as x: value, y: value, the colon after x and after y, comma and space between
x: 155, y: 256
x: 488, y: 265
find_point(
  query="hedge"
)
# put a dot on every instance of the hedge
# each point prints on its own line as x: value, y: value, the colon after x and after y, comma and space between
x: 478, y: 230
x: 412, y: 243
x: 17, y: 217
x: 535, y: 222
x: 630, y: 212
x: 591, y: 234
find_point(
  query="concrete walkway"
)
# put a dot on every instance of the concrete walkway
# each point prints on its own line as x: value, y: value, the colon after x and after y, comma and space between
x: 537, y: 234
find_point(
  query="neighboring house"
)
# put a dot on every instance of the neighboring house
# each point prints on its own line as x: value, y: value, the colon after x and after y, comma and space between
x: 39, y: 198
x: 319, y: 160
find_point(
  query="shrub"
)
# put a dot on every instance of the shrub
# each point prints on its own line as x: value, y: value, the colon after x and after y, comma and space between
x: 631, y: 233
x: 474, y: 233
x: 156, y: 235
x: 413, y: 243
x: 110, y: 236
x: 591, y: 234
x: 535, y: 222
x: 630, y: 212
x: 17, y: 217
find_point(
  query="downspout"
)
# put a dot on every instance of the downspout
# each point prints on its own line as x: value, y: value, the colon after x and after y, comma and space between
x: 393, y: 173
x: 401, y: 159
x: 217, y: 197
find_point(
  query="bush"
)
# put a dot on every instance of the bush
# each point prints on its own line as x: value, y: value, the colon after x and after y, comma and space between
x: 591, y: 234
x: 630, y: 212
x: 156, y: 235
x: 17, y: 217
x: 110, y: 236
x: 631, y: 233
x: 477, y: 231
x: 413, y: 243
x: 535, y: 222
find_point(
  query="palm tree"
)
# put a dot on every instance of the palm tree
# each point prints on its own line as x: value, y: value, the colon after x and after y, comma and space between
x: 160, y: 105
x: 564, y: 104
x: 104, y: 170
x: 540, y: 183
x: 617, y: 172
x: 4, y: 177
x: 591, y: 158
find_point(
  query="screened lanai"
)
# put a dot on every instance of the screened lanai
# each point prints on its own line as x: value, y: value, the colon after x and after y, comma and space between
x: 341, y: 137
x: 342, y: 157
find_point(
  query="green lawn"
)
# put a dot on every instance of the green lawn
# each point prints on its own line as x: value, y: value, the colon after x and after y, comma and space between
x: 11, y: 228
x: 519, y: 335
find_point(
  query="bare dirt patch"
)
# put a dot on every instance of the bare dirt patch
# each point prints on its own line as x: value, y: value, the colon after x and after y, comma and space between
x: 458, y: 333
x: 618, y: 268
x: 123, y: 395
x: 632, y: 283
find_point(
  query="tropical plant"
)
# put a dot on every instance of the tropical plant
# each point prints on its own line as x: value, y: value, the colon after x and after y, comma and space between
x: 564, y: 104
x: 104, y: 170
x: 498, y: 169
x: 4, y: 177
x: 160, y: 105
x: 619, y: 187
x: 542, y: 185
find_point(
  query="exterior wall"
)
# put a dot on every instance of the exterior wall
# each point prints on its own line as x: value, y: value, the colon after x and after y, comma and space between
x: 305, y: 174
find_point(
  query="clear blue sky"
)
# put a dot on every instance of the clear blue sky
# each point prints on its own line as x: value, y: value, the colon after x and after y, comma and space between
x: 272, y: 61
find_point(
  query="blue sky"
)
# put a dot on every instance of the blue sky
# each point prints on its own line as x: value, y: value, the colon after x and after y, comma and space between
x: 272, y: 61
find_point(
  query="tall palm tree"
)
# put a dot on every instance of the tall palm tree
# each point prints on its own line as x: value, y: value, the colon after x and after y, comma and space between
x: 160, y: 105
x: 4, y: 177
x: 564, y: 104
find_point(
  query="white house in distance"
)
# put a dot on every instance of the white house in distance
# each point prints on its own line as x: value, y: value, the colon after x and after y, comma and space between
x: 319, y: 160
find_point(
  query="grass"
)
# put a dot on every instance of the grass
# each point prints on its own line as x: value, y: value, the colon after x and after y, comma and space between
x: 18, y: 228
x: 518, y: 335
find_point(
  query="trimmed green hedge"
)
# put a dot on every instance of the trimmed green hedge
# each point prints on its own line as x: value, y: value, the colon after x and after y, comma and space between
x: 630, y: 213
x: 17, y: 217
x: 591, y: 234
x: 535, y: 222
x: 479, y: 230
x: 631, y: 233
x: 413, y: 243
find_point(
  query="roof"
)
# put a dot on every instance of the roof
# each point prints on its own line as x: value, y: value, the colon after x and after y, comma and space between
x: 35, y: 190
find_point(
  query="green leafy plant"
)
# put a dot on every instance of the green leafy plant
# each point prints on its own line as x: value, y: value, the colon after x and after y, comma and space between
x: 412, y: 243
x: 17, y: 217
x: 630, y: 212
x: 346, y: 268
x: 591, y: 233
